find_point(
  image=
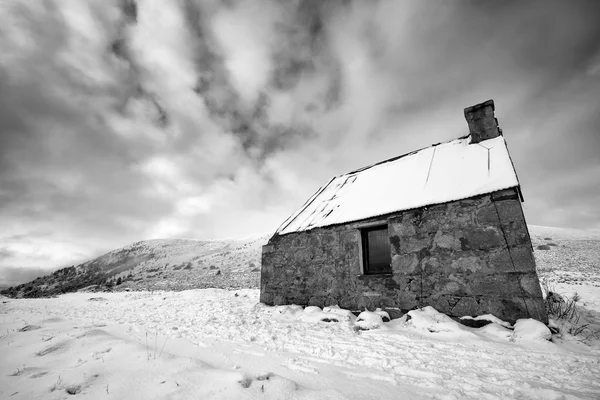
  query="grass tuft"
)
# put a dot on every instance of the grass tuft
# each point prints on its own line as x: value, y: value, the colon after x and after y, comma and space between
x: 565, y: 311
x: 57, y: 385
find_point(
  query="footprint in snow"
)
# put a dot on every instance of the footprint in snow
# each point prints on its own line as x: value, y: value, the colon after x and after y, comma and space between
x: 52, y: 320
x: 58, y: 347
x: 32, y: 371
x: 300, y: 366
x: 93, y: 332
x: 27, y: 328
x: 99, y: 354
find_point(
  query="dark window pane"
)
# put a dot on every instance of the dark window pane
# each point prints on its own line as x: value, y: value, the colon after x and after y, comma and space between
x: 377, y: 251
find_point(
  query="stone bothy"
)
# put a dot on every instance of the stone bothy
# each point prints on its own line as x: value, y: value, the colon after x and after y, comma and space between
x: 441, y: 226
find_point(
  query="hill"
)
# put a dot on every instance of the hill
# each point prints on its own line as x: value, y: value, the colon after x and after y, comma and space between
x: 563, y: 256
x: 570, y: 256
x: 168, y: 264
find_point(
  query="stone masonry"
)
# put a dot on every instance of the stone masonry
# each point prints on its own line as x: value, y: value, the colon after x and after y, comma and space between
x: 468, y: 257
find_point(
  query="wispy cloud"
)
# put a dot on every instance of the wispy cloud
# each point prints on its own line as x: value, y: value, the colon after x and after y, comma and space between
x: 125, y: 120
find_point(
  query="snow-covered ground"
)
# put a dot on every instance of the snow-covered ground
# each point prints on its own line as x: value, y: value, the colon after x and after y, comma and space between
x: 219, y: 344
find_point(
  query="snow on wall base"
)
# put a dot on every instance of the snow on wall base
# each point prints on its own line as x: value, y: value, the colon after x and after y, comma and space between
x: 468, y: 257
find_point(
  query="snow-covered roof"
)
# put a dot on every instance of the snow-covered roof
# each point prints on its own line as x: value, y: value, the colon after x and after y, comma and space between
x: 437, y: 174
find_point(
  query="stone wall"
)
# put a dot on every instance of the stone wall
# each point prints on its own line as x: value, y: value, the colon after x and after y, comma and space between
x: 469, y: 257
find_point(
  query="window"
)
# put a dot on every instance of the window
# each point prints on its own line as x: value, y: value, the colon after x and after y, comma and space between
x: 376, y: 250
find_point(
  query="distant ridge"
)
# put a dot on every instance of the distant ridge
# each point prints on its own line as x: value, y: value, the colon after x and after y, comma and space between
x: 566, y: 233
x: 168, y: 264
x: 179, y: 264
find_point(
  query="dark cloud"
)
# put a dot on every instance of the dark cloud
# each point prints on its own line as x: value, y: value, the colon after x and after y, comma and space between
x: 5, y: 253
x: 133, y: 119
x: 130, y: 10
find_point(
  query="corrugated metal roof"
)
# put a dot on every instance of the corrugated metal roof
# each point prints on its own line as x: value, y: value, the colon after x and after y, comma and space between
x: 444, y: 172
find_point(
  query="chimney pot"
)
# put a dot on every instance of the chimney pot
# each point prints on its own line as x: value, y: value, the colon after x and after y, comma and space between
x: 482, y: 123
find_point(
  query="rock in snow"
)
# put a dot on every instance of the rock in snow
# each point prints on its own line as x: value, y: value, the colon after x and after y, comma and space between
x: 369, y: 320
x: 530, y: 329
x: 428, y: 319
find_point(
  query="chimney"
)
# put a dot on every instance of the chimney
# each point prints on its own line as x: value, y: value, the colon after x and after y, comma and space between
x: 482, y: 123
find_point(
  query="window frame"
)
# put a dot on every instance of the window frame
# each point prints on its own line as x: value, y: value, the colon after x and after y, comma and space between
x: 364, y: 249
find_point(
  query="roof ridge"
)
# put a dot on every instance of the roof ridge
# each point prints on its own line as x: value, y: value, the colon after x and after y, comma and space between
x: 465, y: 171
x: 410, y: 153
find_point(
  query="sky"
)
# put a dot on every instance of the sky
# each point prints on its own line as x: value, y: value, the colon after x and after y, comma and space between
x: 125, y: 120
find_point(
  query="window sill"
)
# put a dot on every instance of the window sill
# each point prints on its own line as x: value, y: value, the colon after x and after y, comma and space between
x: 375, y: 276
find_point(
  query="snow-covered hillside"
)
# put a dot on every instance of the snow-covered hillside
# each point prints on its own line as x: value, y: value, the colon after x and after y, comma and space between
x: 567, y: 255
x: 170, y: 264
x: 178, y: 264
